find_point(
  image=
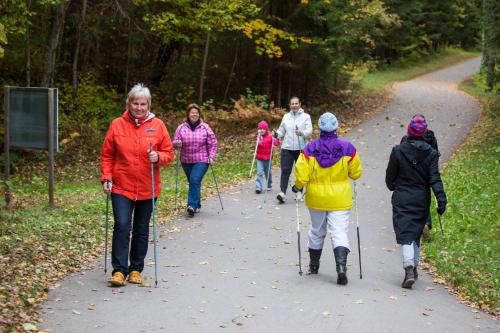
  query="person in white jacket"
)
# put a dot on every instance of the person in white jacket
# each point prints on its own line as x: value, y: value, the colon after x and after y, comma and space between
x: 295, y: 129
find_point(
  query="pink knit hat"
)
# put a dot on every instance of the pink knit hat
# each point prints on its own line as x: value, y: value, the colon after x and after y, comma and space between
x: 417, y: 125
x: 263, y: 125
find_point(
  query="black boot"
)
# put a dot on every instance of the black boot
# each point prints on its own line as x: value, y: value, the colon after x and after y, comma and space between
x: 409, y: 278
x: 314, y: 256
x: 341, y: 253
x: 415, y: 273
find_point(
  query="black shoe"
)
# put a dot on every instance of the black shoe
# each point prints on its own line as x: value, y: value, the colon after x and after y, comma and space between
x: 415, y: 273
x: 257, y: 191
x: 342, y: 275
x: 281, y: 197
x: 190, y: 211
x: 314, y: 256
x: 197, y: 210
x: 409, y: 278
x: 341, y: 253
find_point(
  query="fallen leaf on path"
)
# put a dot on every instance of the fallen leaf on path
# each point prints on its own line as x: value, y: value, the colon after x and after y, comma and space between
x: 325, y: 314
x: 201, y: 262
x: 360, y: 301
x: 394, y: 298
x: 30, y: 326
x: 426, y: 288
x: 78, y: 312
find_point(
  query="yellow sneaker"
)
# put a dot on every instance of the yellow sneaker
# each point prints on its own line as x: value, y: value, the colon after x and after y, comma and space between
x: 118, y: 279
x: 135, y: 277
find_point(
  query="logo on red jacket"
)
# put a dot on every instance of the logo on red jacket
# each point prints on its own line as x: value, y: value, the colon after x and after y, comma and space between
x: 150, y: 130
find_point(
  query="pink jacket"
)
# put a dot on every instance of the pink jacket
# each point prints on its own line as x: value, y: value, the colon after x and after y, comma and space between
x: 199, y: 145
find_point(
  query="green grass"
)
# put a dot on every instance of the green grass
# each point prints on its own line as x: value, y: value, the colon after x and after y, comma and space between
x: 40, y: 245
x: 400, y: 72
x: 468, y: 255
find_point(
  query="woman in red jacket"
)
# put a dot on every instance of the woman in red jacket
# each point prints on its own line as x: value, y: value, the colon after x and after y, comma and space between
x: 126, y: 175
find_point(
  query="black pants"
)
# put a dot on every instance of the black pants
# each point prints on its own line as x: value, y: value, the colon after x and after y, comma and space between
x: 288, y: 157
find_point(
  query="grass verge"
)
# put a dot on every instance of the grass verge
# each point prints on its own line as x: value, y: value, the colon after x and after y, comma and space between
x: 468, y: 255
x: 39, y: 245
x: 380, y: 79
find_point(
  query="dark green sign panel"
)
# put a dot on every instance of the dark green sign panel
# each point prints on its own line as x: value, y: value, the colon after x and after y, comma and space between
x: 28, y: 117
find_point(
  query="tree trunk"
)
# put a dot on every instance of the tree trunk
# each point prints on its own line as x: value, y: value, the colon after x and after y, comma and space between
x: 203, y: 68
x: 74, y: 71
x: 27, y: 54
x: 306, y: 78
x: 268, y: 90
x: 490, y: 78
x: 278, y: 90
x: 231, y: 74
x: 129, y: 50
x: 59, y: 13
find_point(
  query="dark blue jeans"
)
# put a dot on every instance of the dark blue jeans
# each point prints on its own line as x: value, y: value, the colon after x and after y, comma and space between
x: 194, y: 173
x: 122, y: 210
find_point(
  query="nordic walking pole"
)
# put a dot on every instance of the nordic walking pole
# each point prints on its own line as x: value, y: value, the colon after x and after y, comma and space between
x: 357, y: 228
x: 298, y: 231
x: 216, y: 186
x: 254, y: 154
x: 212, y: 168
x: 153, y: 213
x: 439, y: 219
x: 440, y: 225
x: 177, y: 179
x: 106, y: 241
x: 269, y: 169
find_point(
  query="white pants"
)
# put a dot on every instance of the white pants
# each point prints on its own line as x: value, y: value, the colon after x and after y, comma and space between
x: 334, y: 222
x: 411, y: 254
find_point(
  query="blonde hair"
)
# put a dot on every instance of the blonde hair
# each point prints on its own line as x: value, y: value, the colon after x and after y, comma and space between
x: 137, y: 91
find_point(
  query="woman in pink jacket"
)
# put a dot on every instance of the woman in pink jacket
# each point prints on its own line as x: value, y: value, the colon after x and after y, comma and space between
x: 198, y: 147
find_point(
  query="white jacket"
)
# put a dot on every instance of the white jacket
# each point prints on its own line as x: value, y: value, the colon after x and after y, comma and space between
x: 289, y: 123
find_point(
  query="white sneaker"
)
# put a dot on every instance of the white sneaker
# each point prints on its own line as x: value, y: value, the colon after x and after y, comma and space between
x: 281, y: 197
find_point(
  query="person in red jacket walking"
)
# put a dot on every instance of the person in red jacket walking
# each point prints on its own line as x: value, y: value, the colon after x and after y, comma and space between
x: 126, y: 176
x: 263, y: 156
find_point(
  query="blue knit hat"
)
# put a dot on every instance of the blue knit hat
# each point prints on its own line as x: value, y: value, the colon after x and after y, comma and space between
x: 328, y: 122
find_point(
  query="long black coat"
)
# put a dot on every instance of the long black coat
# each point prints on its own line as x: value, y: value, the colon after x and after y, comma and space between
x: 411, y: 172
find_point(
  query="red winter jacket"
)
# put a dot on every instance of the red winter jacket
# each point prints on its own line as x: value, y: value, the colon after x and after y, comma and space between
x: 125, y: 158
x: 264, y: 147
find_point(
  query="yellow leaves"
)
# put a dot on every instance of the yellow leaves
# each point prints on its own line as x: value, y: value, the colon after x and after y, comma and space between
x: 267, y: 37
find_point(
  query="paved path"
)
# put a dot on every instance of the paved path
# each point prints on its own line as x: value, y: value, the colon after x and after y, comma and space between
x: 236, y: 271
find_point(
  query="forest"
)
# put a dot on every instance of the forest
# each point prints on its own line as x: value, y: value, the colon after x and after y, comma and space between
x: 214, y: 51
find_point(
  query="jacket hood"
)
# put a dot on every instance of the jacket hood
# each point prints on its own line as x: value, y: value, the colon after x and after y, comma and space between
x: 300, y: 111
x: 138, y: 122
x: 327, y: 150
x: 415, y: 150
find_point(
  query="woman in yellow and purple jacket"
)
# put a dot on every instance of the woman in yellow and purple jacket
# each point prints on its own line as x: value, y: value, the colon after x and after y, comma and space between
x: 325, y: 166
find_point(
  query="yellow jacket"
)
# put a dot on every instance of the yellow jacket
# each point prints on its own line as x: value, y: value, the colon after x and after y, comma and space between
x: 325, y: 166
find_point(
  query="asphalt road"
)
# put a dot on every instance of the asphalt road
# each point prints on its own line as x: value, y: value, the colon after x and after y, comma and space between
x: 236, y: 270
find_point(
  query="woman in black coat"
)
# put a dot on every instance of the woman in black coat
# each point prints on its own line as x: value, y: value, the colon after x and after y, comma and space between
x: 411, y: 172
